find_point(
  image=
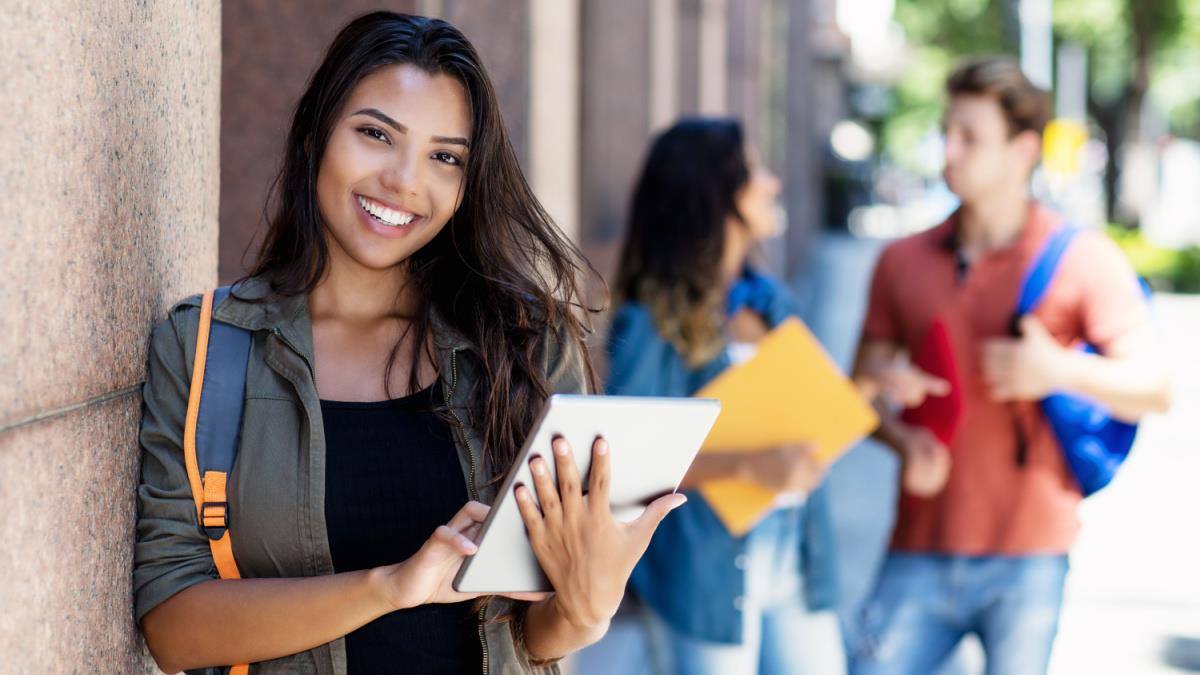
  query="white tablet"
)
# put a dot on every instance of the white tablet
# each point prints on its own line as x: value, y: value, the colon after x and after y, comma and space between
x: 652, y: 442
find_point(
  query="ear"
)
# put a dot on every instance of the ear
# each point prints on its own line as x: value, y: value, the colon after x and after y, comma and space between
x: 1028, y: 145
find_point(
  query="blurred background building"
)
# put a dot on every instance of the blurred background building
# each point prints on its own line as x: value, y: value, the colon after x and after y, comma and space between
x: 583, y: 85
x: 142, y: 139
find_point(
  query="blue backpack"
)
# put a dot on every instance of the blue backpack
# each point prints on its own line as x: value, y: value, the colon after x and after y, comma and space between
x: 1094, y: 442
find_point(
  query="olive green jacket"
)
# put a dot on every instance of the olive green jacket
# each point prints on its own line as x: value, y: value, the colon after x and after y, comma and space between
x: 277, y: 487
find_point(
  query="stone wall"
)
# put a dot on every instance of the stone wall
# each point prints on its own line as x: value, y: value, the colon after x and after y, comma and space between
x: 108, y: 204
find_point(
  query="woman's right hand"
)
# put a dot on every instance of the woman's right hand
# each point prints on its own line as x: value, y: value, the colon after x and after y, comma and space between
x: 787, y: 468
x: 428, y: 575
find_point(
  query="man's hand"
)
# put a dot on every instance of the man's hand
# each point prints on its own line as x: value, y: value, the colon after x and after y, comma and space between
x: 1025, y: 369
x: 924, y: 460
x: 901, y: 382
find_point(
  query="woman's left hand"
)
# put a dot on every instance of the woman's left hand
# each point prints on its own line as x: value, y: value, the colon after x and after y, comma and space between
x: 586, y: 553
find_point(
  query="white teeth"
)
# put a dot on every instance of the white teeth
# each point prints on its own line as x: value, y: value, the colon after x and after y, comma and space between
x: 383, y: 214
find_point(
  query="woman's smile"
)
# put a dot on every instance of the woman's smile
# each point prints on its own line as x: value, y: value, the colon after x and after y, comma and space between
x: 385, y: 219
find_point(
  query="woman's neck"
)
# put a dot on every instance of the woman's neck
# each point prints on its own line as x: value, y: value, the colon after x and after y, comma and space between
x: 355, y: 293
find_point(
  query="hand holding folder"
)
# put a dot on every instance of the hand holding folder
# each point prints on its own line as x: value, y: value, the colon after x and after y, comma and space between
x: 789, y: 392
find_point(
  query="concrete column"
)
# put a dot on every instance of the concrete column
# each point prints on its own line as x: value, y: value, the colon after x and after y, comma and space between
x: 664, y: 63
x: 554, y: 110
x: 702, y: 47
x: 713, y: 58
x: 802, y: 164
x: 687, y: 82
x: 745, y: 96
x: 108, y: 195
x: 271, y: 48
x: 499, y: 29
x: 615, y: 119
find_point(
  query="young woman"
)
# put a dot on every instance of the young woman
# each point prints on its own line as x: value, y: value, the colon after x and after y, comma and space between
x: 412, y: 308
x: 690, y: 307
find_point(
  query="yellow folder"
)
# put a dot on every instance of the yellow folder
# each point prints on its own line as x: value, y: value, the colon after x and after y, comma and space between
x: 790, y: 391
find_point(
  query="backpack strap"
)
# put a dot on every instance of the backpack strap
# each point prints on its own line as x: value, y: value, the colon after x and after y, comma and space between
x: 213, y: 426
x: 1039, y: 276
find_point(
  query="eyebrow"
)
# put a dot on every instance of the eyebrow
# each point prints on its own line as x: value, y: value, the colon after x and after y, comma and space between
x: 382, y: 117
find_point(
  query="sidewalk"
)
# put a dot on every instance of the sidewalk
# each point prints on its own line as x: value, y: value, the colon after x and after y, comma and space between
x: 1133, y: 596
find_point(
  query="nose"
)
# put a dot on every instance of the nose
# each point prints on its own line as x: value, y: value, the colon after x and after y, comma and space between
x: 403, y: 175
x: 953, y: 148
x: 776, y: 185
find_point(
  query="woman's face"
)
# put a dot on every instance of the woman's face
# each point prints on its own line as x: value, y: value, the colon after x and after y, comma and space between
x: 757, y: 200
x: 392, y: 173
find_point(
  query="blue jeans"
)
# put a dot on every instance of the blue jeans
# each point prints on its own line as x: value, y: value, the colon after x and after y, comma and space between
x: 780, y: 635
x: 924, y: 604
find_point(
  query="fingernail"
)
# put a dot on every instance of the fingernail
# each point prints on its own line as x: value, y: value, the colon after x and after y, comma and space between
x: 560, y: 447
x: 520, y: 492
x: 601, y: 447
x: 680, y: 500
x: 536, y: 467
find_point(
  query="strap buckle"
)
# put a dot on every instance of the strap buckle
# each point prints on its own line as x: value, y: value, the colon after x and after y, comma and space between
x: 214, y: 519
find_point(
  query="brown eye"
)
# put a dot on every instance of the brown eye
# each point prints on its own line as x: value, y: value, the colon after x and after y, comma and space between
x: 447, y: 158
x: 372, y: 132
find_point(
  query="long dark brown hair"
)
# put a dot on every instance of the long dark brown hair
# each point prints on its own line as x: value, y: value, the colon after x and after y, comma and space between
x: 500, y: 272
x: 676, y: 233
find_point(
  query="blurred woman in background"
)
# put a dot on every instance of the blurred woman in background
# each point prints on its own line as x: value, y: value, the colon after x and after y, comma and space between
x: 690, y: 304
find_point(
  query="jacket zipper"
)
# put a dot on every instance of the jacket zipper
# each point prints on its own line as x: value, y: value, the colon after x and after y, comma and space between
x: 471, y: 486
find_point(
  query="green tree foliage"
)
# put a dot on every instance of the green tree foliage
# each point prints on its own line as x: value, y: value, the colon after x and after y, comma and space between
x: 1135, y: 48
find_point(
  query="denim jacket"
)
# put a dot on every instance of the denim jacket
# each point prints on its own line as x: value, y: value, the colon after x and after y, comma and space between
x: 689, y: 575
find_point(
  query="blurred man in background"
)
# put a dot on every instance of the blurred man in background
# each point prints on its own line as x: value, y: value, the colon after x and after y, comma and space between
x: 987, y: 515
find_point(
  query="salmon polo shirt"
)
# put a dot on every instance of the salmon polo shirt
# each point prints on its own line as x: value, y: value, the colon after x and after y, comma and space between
x: 993, y: 505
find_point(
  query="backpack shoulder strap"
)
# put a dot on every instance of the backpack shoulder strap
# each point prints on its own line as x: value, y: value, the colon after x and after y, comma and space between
x: 213, y: 426
x: 1041, y: 273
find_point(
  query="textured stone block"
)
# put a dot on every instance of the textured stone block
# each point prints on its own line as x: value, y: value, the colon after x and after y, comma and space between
x: 108, y: 169
x: 108, y: 205
x: 66, y: 489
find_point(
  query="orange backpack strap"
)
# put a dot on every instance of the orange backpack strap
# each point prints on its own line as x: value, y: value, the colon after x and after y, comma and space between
x: 212, y: 429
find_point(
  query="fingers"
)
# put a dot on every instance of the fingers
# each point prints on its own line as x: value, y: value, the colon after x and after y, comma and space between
x: 471, y: 512
x: 472, y: 532
x: 530, y: 514
x: 569, y: 489
x: 906, y: 387
x: 655, y: 512
x: 547, y: 493
x: 933, y: 385
x: 599, y: 478
x: 454, y: 540
x: 996, y: 361
x: 1032, y: 327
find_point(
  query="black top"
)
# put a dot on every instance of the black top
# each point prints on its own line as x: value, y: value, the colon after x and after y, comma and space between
x: 392, y: 476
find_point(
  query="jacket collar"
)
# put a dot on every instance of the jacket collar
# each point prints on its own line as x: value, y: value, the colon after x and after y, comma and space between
x: 254, y: 306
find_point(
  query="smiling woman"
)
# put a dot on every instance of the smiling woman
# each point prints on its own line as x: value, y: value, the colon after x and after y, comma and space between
x: 412, y: 308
